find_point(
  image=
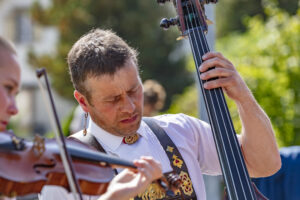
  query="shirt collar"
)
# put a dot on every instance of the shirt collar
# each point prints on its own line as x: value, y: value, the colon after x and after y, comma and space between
x: 106, y: 138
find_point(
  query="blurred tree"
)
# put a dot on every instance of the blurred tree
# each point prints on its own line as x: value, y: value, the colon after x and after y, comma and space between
x: 135, y: 20
x: 231, y: 14
x: 267, y: 56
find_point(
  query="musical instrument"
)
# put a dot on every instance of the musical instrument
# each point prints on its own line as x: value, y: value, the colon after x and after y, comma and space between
x: 26, y: 166
x: 192, y: 23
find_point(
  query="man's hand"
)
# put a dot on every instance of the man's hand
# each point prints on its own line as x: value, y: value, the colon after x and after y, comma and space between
x: 228, y: 78
x: 129, y: 183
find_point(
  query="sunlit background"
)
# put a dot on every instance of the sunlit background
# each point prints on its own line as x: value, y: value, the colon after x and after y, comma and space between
x: 261, y: 38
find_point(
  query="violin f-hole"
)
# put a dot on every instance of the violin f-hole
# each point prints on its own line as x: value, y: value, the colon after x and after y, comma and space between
x: 38, y: 167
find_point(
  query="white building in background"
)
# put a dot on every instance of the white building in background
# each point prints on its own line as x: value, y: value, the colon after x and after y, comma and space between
x: 17, y: 26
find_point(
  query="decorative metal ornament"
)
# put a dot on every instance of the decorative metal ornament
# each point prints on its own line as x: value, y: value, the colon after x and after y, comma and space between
x: 130, y: 139
x: 86, y: 115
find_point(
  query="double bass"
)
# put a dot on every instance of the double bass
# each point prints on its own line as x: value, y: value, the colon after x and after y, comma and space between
x: 192, y: 23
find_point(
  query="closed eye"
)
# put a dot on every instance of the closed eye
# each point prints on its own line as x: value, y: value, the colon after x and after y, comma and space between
x: 134, y: 90
x: 9, y: 88
x: 114, y: 99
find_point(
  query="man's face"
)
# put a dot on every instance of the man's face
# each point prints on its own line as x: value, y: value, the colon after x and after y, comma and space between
x: 116, y: 102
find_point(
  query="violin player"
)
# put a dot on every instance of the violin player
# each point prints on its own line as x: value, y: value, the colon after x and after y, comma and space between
x: 105, y: 73
x: 127, y: 184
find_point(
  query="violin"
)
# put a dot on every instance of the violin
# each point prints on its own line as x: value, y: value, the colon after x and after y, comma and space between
x: 193, y: 24
x: 26, y: 166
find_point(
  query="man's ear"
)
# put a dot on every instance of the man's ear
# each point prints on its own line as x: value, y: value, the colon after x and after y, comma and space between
x: 81, y: 100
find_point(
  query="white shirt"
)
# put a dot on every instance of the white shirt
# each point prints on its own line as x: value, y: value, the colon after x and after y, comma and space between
x: 192, y: 137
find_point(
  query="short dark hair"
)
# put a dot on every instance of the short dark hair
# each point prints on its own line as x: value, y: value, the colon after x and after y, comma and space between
x: 97, y: 53
x: 7, y: 45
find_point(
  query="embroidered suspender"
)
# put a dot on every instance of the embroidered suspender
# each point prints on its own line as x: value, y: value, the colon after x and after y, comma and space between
x: 175, y: 158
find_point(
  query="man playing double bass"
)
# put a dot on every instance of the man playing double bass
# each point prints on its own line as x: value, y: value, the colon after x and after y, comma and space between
x: 104, y: 72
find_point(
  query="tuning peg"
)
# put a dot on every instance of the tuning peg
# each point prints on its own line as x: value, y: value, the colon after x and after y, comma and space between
x: 166, y: 23
x: 181, y: 37
x: 209, y: 22
x: 162, y: 1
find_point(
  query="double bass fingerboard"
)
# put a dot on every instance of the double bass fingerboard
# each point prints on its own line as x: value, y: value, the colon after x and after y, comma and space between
x: 231, y: 159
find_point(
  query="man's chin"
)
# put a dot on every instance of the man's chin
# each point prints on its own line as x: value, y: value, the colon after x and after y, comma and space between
x: 131, y: 129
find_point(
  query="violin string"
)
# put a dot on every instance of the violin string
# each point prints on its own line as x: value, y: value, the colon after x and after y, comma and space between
x: 215, y: 92
x: 66, y: 166
x: 205, y: 97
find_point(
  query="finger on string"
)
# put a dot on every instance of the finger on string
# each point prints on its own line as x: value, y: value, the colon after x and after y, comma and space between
x: 216, y: 73
x: 215, y: 62
x: 217, y: 83
x: 212, y: 55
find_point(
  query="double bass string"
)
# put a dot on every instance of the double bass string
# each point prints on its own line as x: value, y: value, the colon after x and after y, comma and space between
x: 197, y: 64
x: 226, y: 110
x: 215, y: 93
x: 188, y: 22
x: 218, y: 92
x: 236, y: 143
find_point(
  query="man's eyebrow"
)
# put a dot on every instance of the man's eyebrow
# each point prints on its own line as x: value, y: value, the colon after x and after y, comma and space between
x: 110, y: 97
x: 134, y: 86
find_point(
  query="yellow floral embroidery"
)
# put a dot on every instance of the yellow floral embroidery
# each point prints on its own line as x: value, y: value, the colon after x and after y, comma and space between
x: 170, y: 149
x: 153, y: 192
x: 186, y: 185
x: 177, y: 162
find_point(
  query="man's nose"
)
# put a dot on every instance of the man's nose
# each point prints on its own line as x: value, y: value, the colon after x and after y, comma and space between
x: 128, y: 105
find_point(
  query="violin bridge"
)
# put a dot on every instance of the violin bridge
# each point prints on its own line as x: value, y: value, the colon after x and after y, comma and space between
x: 38, y: 145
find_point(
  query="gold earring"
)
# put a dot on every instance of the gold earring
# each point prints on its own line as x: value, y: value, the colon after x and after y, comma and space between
x: 86, y: 115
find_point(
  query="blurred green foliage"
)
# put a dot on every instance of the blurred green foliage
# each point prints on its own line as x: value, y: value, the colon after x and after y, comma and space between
x: 267, y: 56
x: 231, y: 14
x: 136, y: 21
